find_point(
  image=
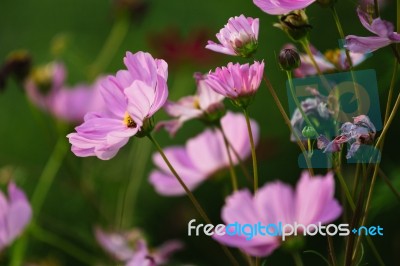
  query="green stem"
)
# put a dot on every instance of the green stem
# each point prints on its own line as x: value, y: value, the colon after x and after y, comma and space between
x: 296, y: 101
x: 348, y: 57
x: 297, y: 259
x: 181, y: 182
x: 190, y: 195
x: 253, y: 150
x: 39, y: 195
x: 306, y: 47
x: 115, y: 38
x: 141, y: 154
x: 48, y: 175
x: 376, y: 8
x: 289, y: 124
x: 58, y: 242
x: 389, y: 122
x: 231, y: 165
x: 345, y: 188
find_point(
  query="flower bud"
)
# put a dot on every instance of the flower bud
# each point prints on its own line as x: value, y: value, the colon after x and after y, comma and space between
x: 17, y: 65
x: 309, y: 132
x: 295, y: 24
x: 289, y: 59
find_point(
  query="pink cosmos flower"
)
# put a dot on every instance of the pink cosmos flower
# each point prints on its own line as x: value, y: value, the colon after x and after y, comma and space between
x: 47, y: 90
x: 202, y: 156
x: 312, y: 202
x: 280, y: 7
x: 44, y: 82
x: 236, y: 81
x: 15, y: 214
x: 203, y: 105
x: 332, y: 60
x: 382, y: 28
x: 131, y: 98
x: 131, y: 248
x: 238, y: 37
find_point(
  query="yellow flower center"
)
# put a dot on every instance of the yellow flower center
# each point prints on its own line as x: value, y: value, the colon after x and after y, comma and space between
x: 128, y: 121
x: 333, y: 56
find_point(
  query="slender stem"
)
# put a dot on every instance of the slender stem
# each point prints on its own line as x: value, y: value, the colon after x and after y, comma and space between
x: 345, y: 188
x: 48, y: 175
x: 253, y: 150
x: 190, y: 195
x: 241, y: 163
x: 181, y: 182
x: 341, y: 33
x: 289, y: 124
x: 231, y: 165
x: 306, y: 46
x: 39, y: 195
x: 379, y: 146
x: 58, y: 242
x: 389, y: 122
x: 117, y: 34
x: 348, y: 57
x: 376, y: 8
x: 296, y: 101
x: 331, y: 250
x: 389, y: 184
x: 297, y: 259
x: 141, y: 153
x: 356, y: 179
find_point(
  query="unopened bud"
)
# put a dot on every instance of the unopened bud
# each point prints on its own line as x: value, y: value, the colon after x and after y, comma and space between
x: 295, y: 24
x: 289, y: 59
x: 309, y: 132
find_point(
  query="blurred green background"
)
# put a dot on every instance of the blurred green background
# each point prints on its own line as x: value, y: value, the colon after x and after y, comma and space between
x: 115, y: 194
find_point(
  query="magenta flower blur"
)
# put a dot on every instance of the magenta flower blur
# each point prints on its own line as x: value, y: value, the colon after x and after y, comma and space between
x: 384, y: 31
x: 131, y: 98
x: 15, y: 215
x: 47, y: 90
x: 202, y: 156
x: 238, y: 37
x: 131, y: 249
x: 280, y: 7
x: 330, y: 61
x: 237, y: 82
x: 206, y: 104
x: 312, y: 202
x: 43, y: 83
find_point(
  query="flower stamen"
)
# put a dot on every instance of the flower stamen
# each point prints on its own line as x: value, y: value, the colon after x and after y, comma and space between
x: 128, y: 121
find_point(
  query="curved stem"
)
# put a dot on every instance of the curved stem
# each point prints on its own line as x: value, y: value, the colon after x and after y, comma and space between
x: 60, y: 243
x: 306, y: 47
x: 231, y: 165
x: 48, y: 175
x: 115, y: 38
x: 289, y: 124
x: 253, y: 150
x: 376, y: 8
x: 348, y: 57
x: 39, y: 195
x: 141, y: 152
x: 192, y: 198
x: 297, y: 259
x: 389, y: 122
